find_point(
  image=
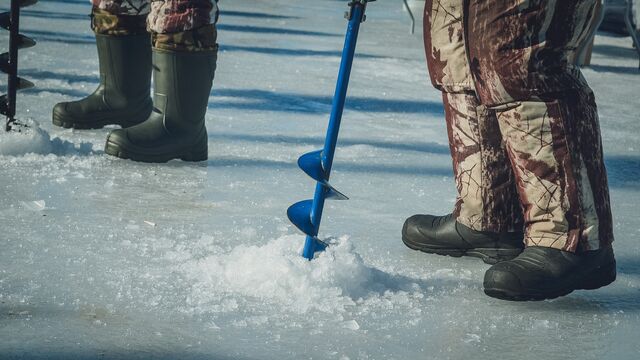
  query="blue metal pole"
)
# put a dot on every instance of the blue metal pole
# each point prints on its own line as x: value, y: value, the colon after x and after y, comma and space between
x: 339, y: 98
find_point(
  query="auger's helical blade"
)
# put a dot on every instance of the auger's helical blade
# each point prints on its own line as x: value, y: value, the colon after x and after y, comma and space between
x: 334, y: 194
x: 25, y: 42
x: 4, y: 63
x: 4, y: 105
x: 5, y: 20
x: 25, y: 3
x: 311, y: 164
x: 300, y: 215
x: 24, y: 84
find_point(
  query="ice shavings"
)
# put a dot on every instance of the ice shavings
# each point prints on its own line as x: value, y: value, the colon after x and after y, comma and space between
x: 29, y: 139
x: 33, y: 139
x: 275, y: 272
x: 37, y: 205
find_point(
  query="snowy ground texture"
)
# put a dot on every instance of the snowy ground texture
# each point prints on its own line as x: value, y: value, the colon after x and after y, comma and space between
x: 108, y: 259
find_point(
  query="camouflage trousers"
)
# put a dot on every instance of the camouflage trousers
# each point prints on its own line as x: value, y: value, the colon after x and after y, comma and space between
x: 173, y: 24
x: 522, y: 121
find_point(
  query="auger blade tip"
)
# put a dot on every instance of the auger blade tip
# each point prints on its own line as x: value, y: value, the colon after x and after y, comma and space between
x: 311, y: 164
x: 300, y: 215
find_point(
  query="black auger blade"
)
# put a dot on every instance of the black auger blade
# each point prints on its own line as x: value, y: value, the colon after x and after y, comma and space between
x: 25, y: 42
x: 4, y: 104
x: 5, y: 20
x: 9, y: 61
x: 24, y: 84
x: 25, y: 3
x: 4, y: 62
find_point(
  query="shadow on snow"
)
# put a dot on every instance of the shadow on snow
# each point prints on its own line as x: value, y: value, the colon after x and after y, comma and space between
x: 341, y: 167
x: 254, y: 15
x: 289, y: 102
x: 425, y: 147
x: 293, y: 52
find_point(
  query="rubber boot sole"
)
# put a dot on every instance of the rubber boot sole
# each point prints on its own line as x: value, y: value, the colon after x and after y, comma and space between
x: 599, y: 277
x: 490, y: 256
x: 99, y: 120
x: 191, y: 154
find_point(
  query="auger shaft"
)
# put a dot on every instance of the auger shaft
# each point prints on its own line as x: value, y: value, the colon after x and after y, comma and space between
x: 12, y: 82
x: 306, y: 215
x: 339, y: 98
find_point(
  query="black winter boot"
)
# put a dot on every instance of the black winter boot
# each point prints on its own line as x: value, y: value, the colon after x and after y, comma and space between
x: 443, y: 235
x: 544, y: 273
x: 175, y: 129
x: 123, y: 96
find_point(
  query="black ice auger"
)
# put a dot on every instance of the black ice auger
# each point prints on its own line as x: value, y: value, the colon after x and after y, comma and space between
x: 10, y: 21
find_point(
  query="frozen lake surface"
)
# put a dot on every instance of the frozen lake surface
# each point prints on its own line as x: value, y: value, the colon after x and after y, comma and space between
x: 102, y: 258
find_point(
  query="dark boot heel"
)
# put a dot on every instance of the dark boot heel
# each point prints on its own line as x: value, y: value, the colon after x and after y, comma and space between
x: 602, y: 276
x: 196, y: 155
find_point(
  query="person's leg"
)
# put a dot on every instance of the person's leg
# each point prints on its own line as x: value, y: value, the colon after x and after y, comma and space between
x: 124, y: 56
x: 487, y: 220
x: 184, y: 59
x: 520, y: 60
x: 487, y: 197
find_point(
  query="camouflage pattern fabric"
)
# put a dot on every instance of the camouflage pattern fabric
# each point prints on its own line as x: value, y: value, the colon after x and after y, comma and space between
x: 105, y: 23
x: 487, y: 196
x: 521, y: 48
x: 200, y: 39
x: 183, y: 25
x: 521, y: 116
x: 556, y: 152
x: 445, y: 46
x: 123, y: 7
x: 172, y: 16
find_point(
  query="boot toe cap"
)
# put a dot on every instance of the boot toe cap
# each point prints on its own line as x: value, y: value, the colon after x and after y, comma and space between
x: 414, y: 226
x: 118, y: 136
x: 60, y: 108
x: 500, y: 275
x: 502, y: 282
x: 61, y: 114
x: 117, y: 141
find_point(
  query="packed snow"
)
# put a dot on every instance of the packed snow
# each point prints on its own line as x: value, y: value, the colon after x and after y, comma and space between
x: 102, y: 258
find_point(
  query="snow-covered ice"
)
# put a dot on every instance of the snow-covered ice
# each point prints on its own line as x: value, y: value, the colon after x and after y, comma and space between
x: 108, y: 259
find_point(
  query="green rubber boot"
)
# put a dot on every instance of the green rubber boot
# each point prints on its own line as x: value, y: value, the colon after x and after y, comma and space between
x: 123, y: 96
x: 175, y: 129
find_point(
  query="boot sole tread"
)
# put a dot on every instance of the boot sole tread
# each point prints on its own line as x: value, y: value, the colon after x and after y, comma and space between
x: 603, y: 276
x: 190, y: 155
x: 489, y: 256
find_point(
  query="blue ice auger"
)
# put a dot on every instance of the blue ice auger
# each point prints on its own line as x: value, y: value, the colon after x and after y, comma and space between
x: 10, y: 20
x: 306, y: 214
